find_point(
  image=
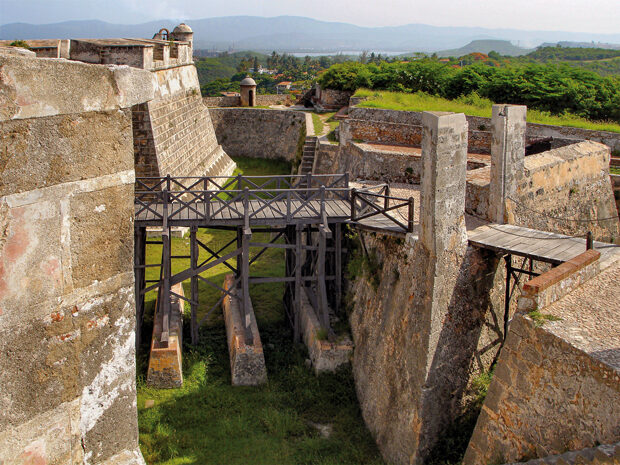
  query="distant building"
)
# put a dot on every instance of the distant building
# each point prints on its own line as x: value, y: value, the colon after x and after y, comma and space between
x: 282, y: 86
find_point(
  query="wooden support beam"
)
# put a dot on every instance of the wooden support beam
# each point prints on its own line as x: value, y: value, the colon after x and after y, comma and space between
x: 297, y: 294
x: 194, y: 284
x: 245, y: 281
x: 140, y: 281
x: 338, y: 265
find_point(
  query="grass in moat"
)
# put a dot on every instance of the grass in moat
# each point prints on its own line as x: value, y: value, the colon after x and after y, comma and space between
x: 470, y: 105
x: 208, y: 421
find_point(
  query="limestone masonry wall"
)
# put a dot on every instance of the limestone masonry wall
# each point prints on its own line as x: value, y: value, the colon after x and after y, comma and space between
x: 261, y: 100
x: 67, y: 307
x: 174, y: 133
x: 569, y: 182
x: 259, y: 133
x: 479, y: 123
x: 541, y: 381
x: 433, y: 319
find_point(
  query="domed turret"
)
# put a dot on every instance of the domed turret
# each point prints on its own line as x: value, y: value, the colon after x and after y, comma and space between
x: 183, y: 33
x: 248, y: 92
x: 248, y: 81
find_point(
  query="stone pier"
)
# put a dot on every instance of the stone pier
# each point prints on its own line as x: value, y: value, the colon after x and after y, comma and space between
x: 165, y: 359
x: 414, y: 335
x: 324, y: 355
x: 247, y: 361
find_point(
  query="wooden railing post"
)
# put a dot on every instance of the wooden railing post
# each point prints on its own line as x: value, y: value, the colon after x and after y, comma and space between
x: 386, y: 201
x: 410, y: 215
x: 322, y: 190
x: 589, y: 241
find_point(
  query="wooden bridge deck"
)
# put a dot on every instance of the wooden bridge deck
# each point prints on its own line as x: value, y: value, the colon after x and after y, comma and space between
x: 538, y: 245
x: 220, y: 213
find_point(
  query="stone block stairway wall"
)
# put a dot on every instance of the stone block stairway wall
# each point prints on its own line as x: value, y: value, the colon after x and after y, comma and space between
x: 308, y: 156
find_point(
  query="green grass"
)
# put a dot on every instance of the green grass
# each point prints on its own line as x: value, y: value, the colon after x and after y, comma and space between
x: 318, y: 124
x: 470, y: 105
x: 208, y: 421
x: 541, y: 318
x: 614, y: 169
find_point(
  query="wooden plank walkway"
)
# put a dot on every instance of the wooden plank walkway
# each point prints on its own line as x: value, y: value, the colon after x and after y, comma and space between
x: 539, y: 245
x: 222, y: 213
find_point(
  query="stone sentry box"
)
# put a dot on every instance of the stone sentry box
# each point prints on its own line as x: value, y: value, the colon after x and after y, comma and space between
x: 67, y: 307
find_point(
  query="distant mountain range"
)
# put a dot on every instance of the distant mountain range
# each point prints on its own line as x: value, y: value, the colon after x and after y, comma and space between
x: 294, y: 33
x: 503, y: 47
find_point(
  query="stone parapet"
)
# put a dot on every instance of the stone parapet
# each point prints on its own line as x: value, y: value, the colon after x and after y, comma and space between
x: 546, y: 397
x: 480, y: 123
x: 35, y: 88
x: 552, y: 285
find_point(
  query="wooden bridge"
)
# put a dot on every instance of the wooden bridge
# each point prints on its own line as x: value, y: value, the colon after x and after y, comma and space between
x: 304, y: 214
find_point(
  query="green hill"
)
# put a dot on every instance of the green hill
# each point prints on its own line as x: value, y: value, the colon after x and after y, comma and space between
x: 225, y: 65
x: 503, y: 47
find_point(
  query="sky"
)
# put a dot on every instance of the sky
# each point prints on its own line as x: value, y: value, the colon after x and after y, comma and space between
x: 601, y: 16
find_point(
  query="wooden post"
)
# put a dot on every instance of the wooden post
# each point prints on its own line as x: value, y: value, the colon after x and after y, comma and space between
x: 508, y: 259
x: 589, y: 241
x: 338, y: 265
x: 298, y: 289
x: 140, y: 272
x: 245, y: 266
x: 353, y: 192
x: 322, y: 292
x: 410, y: 215
x: 193, y: 244
x: 386, y: 202
x: 164, y: 305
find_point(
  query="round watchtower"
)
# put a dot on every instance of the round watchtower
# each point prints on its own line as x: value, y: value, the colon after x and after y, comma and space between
x: 183, y: 33
x: 248, y: 92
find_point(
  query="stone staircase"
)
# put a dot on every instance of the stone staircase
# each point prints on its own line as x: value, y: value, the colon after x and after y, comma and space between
x: 601, y: 455
x: 307, y: 158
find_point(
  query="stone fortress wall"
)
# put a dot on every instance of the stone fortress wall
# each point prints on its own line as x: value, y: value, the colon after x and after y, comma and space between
x: 436, y: 318
x: 261, y: 100
x: 174, y: 134
x: 260, y: 133
x: 568, y: 177
x: 383, y: 118
x: 67, y: 307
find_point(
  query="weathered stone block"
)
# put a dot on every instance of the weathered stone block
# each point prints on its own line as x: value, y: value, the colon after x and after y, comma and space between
x: 247, y: 361
x: 102, y: 234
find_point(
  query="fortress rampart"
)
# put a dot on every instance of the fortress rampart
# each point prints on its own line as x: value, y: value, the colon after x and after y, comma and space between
x: 261, y: 133
x: 173, y: 133
x: 67, y: 307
